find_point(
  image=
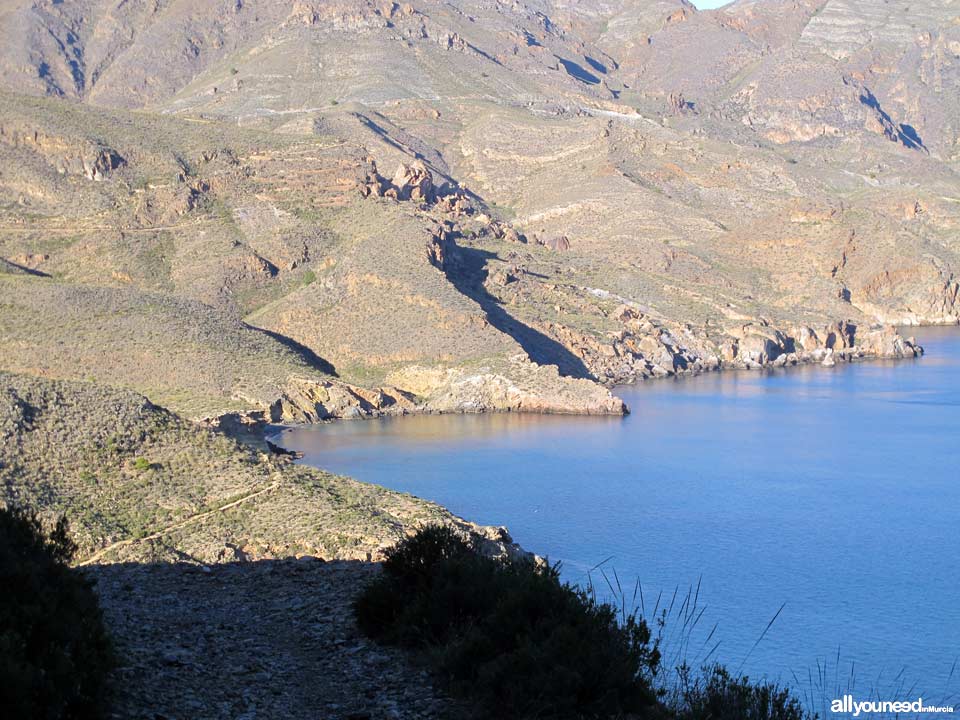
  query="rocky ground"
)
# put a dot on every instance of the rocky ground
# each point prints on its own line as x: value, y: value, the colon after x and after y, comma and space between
x: 269, y: 639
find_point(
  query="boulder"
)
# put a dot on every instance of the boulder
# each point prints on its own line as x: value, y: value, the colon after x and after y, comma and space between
x: 413, y: 182
x: 761, y: 344
x: 885, y: 341
x: 559, y: 243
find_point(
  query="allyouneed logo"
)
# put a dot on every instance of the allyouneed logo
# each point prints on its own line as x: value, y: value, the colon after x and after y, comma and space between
x: 847, y: 704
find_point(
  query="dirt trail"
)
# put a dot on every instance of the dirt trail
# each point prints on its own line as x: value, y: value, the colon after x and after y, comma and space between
x: 176, y: 526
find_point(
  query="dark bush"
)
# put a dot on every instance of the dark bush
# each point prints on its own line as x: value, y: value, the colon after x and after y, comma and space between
x: 717, y: 695
x: 509, y: 635
x: 54, y: 651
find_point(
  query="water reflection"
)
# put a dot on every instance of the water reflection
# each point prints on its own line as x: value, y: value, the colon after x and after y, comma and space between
x: 425, y: 431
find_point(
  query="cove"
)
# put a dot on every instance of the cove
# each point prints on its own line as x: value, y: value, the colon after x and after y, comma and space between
x: 833, y: 493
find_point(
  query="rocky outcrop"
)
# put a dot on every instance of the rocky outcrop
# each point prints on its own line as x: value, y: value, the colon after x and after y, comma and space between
x: 412, y: 182
x: 454, y: 205
x: 886, y: 342
x: 310, y: 401
x: 841, y: 341
x: 372, y: 185
x: 69, y: 156
x: 503, y: 231
x: 440, y: 247
x: 677, y: 104
x: 640, y: 350
x: 521, y: 386
x: 645, y: 349
x: 305, y: 400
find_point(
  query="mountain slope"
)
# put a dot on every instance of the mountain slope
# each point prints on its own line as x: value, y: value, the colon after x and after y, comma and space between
x: 441, y: 196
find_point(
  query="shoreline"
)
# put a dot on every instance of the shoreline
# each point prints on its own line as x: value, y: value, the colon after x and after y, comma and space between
x: 847, y: 356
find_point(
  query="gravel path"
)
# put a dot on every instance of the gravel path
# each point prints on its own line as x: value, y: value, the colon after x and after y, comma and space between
x: 270, y: 639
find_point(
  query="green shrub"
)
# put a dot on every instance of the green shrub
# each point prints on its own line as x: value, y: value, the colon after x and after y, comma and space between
x: 54, y: 651
x: 141, y: 464
x: 717, y: 695
x: 509, y: 635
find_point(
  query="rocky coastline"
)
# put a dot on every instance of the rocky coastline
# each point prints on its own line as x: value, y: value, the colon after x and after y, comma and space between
x: 645, y: 350
x: 637, y: 355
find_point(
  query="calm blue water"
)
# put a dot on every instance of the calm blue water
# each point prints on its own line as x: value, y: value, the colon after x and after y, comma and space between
x: 833, y: 492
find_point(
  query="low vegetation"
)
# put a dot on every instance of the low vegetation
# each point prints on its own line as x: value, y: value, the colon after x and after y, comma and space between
x: 509, y: 634
x: 512, y: 638
x: 716, y: 694
x: 54, y: 651
x: 151, y: 484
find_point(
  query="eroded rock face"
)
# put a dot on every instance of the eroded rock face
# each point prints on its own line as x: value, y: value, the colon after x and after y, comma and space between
x: 68, y: 155
x: 886, y: 342
x: 522, y: 386
x: 310, y: 401
x: 913, y: 294
x: 643, y: 349
x: 440, y: 248
x: 413, y: 182
x: 640, y: 350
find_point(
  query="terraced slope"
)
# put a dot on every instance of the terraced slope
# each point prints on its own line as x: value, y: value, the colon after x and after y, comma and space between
x: 488, y: 206
x: 178, y: 234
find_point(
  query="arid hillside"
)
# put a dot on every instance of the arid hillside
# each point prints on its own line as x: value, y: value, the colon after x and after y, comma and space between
x: 219, y: 215
x: 263, y: 211
x: 476, y: 205
x: 140, y: 483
